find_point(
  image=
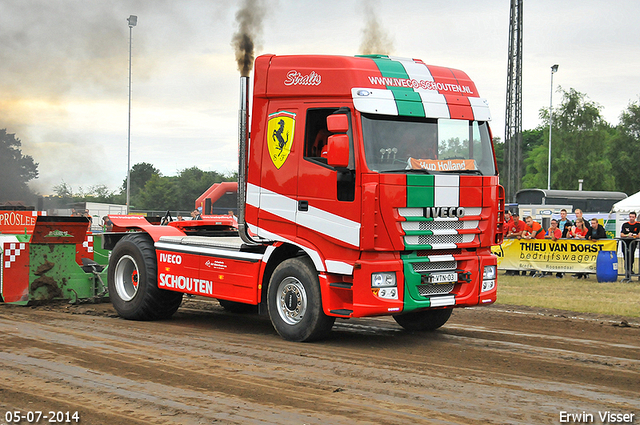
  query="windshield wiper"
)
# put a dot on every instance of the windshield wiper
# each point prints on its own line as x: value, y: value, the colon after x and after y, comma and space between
x: 478, y: 172
x: 407, y: 170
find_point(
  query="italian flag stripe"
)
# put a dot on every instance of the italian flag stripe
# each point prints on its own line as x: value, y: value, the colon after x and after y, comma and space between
x: 409, y: 102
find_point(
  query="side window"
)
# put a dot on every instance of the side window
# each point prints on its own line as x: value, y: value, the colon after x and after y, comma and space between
x: 316, y: 134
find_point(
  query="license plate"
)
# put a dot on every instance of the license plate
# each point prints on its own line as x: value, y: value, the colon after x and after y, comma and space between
x: 442, y: 277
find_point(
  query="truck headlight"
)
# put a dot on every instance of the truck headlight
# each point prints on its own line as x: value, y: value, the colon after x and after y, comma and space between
x: 383, y: 280
x: 489, y: 273
x: 383, y: 285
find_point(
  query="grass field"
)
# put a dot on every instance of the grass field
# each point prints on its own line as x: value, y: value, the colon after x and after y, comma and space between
x: 580, y: 295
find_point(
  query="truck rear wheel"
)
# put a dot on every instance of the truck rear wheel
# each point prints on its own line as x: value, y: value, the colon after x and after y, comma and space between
x: 132, y: 278
x: 424, y: 320
x: 295, y: 302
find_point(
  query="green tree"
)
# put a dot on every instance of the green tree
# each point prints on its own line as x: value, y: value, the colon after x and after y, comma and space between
x: 580, y: 136
x: 97, y: 193
x: 140, y: 174
x: 160, y: 193
x: 624, y: 150
x: 16, y: 169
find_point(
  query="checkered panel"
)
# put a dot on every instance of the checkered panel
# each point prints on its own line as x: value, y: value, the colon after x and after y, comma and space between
x: 12, y: 252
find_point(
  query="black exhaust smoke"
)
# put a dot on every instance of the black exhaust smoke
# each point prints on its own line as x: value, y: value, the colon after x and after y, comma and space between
x: 249, y: 20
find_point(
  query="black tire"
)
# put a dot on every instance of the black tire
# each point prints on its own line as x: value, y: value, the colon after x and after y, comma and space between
x: 424, y: 320
x: 132, y: 277
x: 238, y: 308
x: 295, y: 303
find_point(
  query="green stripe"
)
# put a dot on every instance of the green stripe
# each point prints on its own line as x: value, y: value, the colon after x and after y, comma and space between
x: 418, y: 232
x: 412, y: 299
x: 420, y: 191
x: 407, y: 100
x: 420, y: 180
x: 420, y: 218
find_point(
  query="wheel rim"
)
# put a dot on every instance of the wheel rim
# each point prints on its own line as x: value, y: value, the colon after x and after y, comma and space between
x: 126, y: 278
x: 292, y: 301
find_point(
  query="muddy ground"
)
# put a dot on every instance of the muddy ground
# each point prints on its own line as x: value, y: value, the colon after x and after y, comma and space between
x: 491, y: 365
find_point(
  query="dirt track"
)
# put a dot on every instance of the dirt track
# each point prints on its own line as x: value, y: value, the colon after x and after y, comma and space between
x: 205, y: 365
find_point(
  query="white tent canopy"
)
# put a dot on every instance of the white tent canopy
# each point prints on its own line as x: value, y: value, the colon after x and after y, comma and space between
x: 632, y: 203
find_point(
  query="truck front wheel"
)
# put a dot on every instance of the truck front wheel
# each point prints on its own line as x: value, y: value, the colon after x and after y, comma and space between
x: 132, y: 277
x: 424, y: 320
x: 295, y: 302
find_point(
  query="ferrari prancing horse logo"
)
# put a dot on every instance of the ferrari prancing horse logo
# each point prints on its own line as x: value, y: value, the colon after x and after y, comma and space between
x: 280, y: 136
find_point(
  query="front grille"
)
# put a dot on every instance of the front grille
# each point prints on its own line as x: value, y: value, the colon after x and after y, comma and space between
x: 427, y: 290
x: 438, y: 225
x: 439, y: 252
x: 438, y: 239
x: 434, y: 266
x: 419, y: 212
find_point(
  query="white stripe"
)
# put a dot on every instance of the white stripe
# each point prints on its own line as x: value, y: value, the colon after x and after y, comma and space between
x: 339, y: 267
x: 203, y: 250
x: 276, y: 204
x: 444, y: 232
x: 442, y: 301
x: 253, y: 195
x: 318, y: 220
x: 447, y: 190
x: 377, y: 102
x: 435, y: 105
x: 480, y: 109
x: 416, y: 71
x: 315, y: 257
x: 437, y: 258
x: 411, y: 212
x: 329, y: 224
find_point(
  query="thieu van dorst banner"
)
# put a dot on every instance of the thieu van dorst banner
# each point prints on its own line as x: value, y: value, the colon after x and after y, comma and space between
x: 563, y: 255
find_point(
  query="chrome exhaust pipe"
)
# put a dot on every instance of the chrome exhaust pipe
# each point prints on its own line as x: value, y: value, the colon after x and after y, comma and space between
x: 243, y: 142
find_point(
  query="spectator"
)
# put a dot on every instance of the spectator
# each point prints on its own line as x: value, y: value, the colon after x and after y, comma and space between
x: 568, y: 228
x: 597, y: 231
x: 195, y: 215
x: 180, y: 218
x: 579, y: 231
x: 578, y: 213
x: 516, y: 228
x: 508, y: 221
x: 515, y: 231
x: 107, y: 224
x: 553, y: 233
x: 563, y: 222
x: 533, y: 229
x: 630, y: 230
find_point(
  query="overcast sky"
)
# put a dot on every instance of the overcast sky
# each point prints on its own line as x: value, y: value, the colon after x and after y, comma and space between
x: 64, y: 69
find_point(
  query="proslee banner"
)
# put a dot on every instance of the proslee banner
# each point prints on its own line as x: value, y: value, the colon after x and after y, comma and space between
x: 16, y: 222
x: 563, y: 255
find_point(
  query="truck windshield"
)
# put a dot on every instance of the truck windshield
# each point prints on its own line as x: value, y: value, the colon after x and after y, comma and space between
x: 432, y: 145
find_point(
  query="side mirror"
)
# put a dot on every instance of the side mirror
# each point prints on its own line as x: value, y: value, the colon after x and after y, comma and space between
x: 338, y: 123
x: 338, y: 150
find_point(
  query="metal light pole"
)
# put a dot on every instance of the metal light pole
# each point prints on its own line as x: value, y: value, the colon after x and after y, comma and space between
x: 554, y: 69
x: 132, y: 20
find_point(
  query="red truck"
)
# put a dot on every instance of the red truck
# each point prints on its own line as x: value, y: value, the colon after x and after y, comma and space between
x: 368, y: 187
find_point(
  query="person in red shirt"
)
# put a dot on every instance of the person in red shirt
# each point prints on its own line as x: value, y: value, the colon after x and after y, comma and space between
x: 554, y: 233
x: 508, y: 221
x: 533, y: 229
x: 516, y: 228
x: 579, y: 231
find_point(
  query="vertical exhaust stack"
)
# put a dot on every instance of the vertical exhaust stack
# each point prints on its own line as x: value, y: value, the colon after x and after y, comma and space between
x: 243, y: 141
x: 249, y: 20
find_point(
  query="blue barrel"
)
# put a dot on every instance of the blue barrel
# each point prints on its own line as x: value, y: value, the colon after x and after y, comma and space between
x: 607, y: 266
